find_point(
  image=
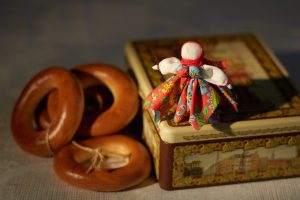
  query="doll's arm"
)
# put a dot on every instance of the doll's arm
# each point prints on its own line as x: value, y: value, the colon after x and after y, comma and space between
x: 223, y: 64
x: 214, y: 75
x: 167, y: 65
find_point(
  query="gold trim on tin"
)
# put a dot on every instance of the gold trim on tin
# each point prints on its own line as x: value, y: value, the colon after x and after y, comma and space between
x: 243, y: 133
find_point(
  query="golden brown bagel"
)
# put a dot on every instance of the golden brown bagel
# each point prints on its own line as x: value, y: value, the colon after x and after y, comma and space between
x: 63, y: 126
x: 71, y: 165
x: 125, y: 97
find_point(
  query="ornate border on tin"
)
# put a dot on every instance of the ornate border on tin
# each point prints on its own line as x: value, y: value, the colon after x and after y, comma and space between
x: 242, y: 133
x: 152, y: 140
x: 236, y: 161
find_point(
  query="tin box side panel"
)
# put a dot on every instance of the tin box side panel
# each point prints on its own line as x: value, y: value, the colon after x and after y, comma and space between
x: 233, y: 161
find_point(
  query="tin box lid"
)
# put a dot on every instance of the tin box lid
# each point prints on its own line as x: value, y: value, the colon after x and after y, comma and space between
x: 269, y: 103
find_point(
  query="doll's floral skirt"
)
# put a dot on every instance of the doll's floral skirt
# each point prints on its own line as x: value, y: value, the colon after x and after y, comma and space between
x: 187, y: 97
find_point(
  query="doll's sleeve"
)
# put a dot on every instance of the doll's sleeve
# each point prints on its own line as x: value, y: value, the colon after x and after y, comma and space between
x: 167, y: 65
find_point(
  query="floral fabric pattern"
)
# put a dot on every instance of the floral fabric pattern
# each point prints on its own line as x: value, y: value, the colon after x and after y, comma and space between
x: 187, y: 96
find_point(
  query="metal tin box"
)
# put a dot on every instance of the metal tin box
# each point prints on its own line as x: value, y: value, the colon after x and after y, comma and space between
x: 261, y: 141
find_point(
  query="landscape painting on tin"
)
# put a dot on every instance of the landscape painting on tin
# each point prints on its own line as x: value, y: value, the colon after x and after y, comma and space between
x: 240, y: 161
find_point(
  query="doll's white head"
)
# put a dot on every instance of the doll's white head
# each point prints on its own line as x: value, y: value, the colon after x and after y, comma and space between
x: 191, y: 50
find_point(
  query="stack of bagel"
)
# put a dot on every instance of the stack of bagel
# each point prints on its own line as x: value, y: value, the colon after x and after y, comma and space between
x: 78, y: 116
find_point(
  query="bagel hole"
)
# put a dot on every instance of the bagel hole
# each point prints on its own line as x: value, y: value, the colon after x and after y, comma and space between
x: 98, y: 98
x: 41, y: 118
